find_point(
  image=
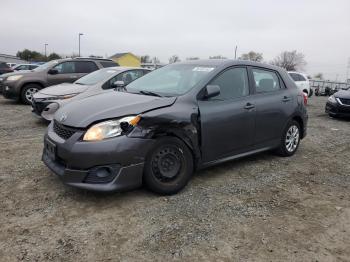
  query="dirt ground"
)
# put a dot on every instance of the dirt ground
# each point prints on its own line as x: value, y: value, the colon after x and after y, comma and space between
x: 261, y: 208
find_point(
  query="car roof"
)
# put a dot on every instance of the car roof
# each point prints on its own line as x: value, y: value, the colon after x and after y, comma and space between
x: 229, y: 62
x: 123, y: 68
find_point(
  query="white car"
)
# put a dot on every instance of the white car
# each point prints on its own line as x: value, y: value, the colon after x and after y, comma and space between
x: 302, y: 82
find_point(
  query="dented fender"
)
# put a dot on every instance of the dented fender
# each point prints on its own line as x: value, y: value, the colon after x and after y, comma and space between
x: 179, y: 121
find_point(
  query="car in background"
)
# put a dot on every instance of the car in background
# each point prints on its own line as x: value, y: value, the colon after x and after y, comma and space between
x: 22, y: 67
x: 4, y: 68
x: 22, y: 85
x: 48, y: 100
x: 11, y: 64
x: 302, y: 82
x: 338, y: 104
x: 175, y: 120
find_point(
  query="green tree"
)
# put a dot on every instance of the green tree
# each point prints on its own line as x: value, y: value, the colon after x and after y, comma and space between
x: 29, y: 55
x: 53, y: 56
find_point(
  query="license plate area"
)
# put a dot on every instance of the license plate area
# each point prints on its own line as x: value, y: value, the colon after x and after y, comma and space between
x: 50, y: 149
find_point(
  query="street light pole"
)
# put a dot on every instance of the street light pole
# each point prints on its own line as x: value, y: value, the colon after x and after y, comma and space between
x: 236, y: 52
x: 45, y: 51
x: 80, y: 34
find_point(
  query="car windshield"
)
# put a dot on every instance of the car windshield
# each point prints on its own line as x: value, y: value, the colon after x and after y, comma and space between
x: 97, y: 77
x: 45, y: 66
x: 171, y: 80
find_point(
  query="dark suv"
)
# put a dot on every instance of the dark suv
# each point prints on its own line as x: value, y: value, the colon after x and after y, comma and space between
x: 4, y: 68
x: 173, y: 121
x: 22, y: 85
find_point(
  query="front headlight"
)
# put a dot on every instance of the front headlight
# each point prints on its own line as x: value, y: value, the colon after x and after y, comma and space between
x: 110, y: 128
x: 14, y: 78
x: 332, y: 99
x: 67, y: 96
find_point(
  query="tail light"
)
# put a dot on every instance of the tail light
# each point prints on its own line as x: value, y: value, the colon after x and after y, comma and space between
x: 305, y: 98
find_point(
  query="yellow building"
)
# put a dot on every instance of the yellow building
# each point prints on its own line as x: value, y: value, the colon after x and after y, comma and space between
x: 126, y: 59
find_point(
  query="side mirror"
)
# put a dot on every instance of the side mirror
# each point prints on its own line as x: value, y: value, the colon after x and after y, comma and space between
x: 53, y: 71
x: 211, y: 91
x: 117, y: 84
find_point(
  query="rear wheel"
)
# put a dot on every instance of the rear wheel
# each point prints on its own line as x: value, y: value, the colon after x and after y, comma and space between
x: 27, y: 93
x: 290, y: 139
x: 168, y: 167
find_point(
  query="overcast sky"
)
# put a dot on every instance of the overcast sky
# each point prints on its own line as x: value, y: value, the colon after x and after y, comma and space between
x: 318, y: 28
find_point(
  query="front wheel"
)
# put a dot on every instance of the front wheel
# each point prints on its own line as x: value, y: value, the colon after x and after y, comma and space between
x: 168, y: 167
x: 290, y: 139
x: 27, y: 93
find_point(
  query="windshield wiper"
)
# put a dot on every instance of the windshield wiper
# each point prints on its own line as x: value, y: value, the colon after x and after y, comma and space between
x: 149, y: 93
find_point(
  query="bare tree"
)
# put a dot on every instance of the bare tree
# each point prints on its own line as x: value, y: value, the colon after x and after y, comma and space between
x: 252, y: 56
x: 192, y: 58
x: 290, y: 60
x: 319, y: 76
x: 145, y: 59
x: 174, y: 59
x: 155, y: 60
x: 217, y: 57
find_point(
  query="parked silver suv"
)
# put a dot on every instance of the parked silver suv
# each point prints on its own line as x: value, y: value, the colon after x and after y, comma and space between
x: 22, y: 85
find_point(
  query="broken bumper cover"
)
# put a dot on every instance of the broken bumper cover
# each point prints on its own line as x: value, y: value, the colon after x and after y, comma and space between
x: 44, y: 109
x: 111, y: 165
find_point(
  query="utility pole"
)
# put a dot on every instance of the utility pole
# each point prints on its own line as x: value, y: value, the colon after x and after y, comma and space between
x: 236, y: 52
x: 347, y: 80
x: 45, y: 51
x: 80, y: 34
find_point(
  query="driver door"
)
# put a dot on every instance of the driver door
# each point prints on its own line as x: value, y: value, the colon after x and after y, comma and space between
x: 227, y: 120
x: 66, y: 73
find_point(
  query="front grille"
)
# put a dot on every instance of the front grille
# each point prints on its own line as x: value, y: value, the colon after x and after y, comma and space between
x: 39, y: 106
x: 345, y: 101
x: 62, y: 130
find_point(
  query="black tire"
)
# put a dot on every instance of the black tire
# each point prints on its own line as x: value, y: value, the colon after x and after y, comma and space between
x: 311, y: 92
x: 288, y: 149
x: 168, y: 167
x: 30, y: 88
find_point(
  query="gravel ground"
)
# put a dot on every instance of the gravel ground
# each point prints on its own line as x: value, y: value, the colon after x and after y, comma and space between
x: 255, y: 209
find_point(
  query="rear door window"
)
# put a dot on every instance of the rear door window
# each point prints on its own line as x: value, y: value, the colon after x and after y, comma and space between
x: 265, y: 80
x: 85, y: 67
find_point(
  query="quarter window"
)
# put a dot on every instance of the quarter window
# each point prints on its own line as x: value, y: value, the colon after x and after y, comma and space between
x: 265, y: 81
x: 233, y: 83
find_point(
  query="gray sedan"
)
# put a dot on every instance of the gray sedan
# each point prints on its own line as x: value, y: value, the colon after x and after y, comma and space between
x: 48, y: 100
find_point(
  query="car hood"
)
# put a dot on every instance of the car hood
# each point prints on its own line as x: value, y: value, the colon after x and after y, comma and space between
x: 63, y: 89
x: 343, y: 94
x: 23, y: 72
x: 81, y: 113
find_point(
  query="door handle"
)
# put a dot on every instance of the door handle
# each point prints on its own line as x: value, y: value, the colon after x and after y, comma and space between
x: 249, y: 106
x: 286, y: 99
x: 73, y: 76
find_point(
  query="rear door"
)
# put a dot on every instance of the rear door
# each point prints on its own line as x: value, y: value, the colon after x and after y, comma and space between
x: 273, y: 102
x: 227, y: 120
x: 83, y: 68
